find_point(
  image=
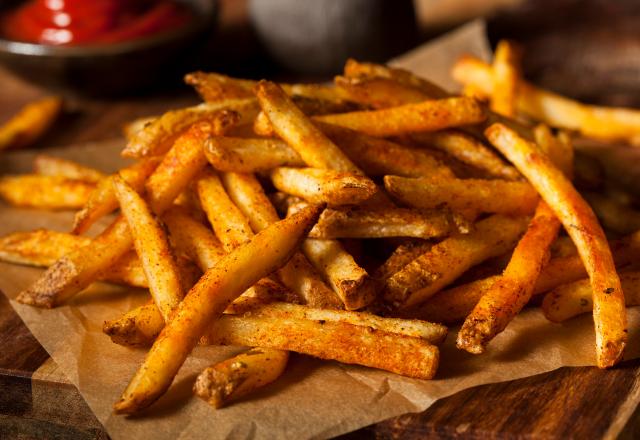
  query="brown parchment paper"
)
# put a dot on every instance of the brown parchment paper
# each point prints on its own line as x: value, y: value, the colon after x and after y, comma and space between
x: 314, y: 399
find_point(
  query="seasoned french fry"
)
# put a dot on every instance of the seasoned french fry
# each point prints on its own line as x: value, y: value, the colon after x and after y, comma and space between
x: 573, y: 299
x: 467, y: 149
x: 243, y: 155
x: 157, y: 137
x: 553, y: 109
x: 409, y: 118
x: 299, y: 132
x: 447, y: 260
x: 341, y: 341
x: 47, y: 165
x: 506, y: 75
x: 240, y: 375
x: 583, y: 227
x: 378, y: 92
x: 30, y: 123
x: 298, y: 274
x: 323, y: 186
x: 45, y: 192
x: 153, y: 249
x: 132, y: 128
x: 401, y: 256
x: 76, y: 270
x: 206, y: 301
x: 102, y: 200
x: 465, y: 195
x: 397, y: 222
x: 42, y: 248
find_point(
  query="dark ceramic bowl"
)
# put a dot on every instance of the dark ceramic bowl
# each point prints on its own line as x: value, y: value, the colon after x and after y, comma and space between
x: 110, y: 69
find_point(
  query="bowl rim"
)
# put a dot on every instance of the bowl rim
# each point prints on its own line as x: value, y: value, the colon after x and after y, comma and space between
x: 203, y: 17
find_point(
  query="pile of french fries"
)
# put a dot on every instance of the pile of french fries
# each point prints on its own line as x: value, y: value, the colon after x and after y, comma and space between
x: 348, y: 222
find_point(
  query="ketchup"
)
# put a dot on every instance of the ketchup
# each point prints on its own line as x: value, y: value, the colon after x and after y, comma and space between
x: 81, y: 22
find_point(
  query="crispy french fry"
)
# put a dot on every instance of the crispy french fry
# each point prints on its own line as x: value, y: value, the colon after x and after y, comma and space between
x: 583, y: 227
x: 573, y: 299
x: 157, y: 137
x: 30, y: 123
x: 467, y: 149
x: 243, y: 155
x: 47, y: 165
x: 465, y: 195
x: 153, y: 249
x: 240, y: 375
x: 266, y: 252
x: 341, y: 341
x: 378, y: 92
x: 396, y: 222
x: 409, y: 118
x: 45, y: 192
x: 298, y: 274
x: 401, y: 256
x: 76, y: 270
x: 323, y: 186
x: 102, y: 200
x: 132, y: 128
x: 553, y: 109
x: 506, y: 75
x: 447, y: 260
x: 42, y: 248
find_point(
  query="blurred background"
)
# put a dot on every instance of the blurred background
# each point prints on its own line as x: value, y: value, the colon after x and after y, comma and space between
x: 586, y: 49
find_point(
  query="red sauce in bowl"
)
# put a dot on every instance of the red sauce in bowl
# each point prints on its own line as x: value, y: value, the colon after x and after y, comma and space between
x: 83, y: 22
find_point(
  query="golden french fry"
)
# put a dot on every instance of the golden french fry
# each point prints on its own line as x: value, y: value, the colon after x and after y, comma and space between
x: 464, y: 195
x: 401, y: 256
x: 467, y: 149
x: 447, y: 260
x: 47, y: 165
x: 553, y: 109
x: 132, y: 128
x: 298, y: 274
x: 206, y: 301
x: 409, y: 118
x: 153, y: 249
x: 30, y: 123
x: 573, y: 299
x: 323, y: 186
x: 290, y: 123
x: 336, y: 340
x: 583, y: 227
x: 157, y: 137
x: 396, y: 222
x: 102, y: 200
x: 240, y: 375
x: 243, y: 155
x: 378, y: 92
x: 506, y: 75
x: 45, y: 192
x: 42, y: 248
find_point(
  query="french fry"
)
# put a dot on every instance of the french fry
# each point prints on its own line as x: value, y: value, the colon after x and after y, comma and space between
x: 47, y: 165
x: 102, y: 200
x: 240, y: 375
x: 44, y: 192
x: 401, y: 256
x: 467, y: 149
x: 378, y: 92
x: 42, y: 248
x: 506, y: 75
x: 132, y: 128
x: 464, y: 195
x: 298, y: 274
x: 30, y: 123
x: 584, y: 229
x: 513, y: 289
x: 545, y: 106
x: 323, y: 186
x: 206, y: 301
x: 153, y: 249
x: 397, y: 222
x: 157, y: 137
x: 429, y: 115
x: 573, y: 299
x: 76, y: 270
x: 336, y: 340
x: 243, y: 155
x: 447, y: 260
